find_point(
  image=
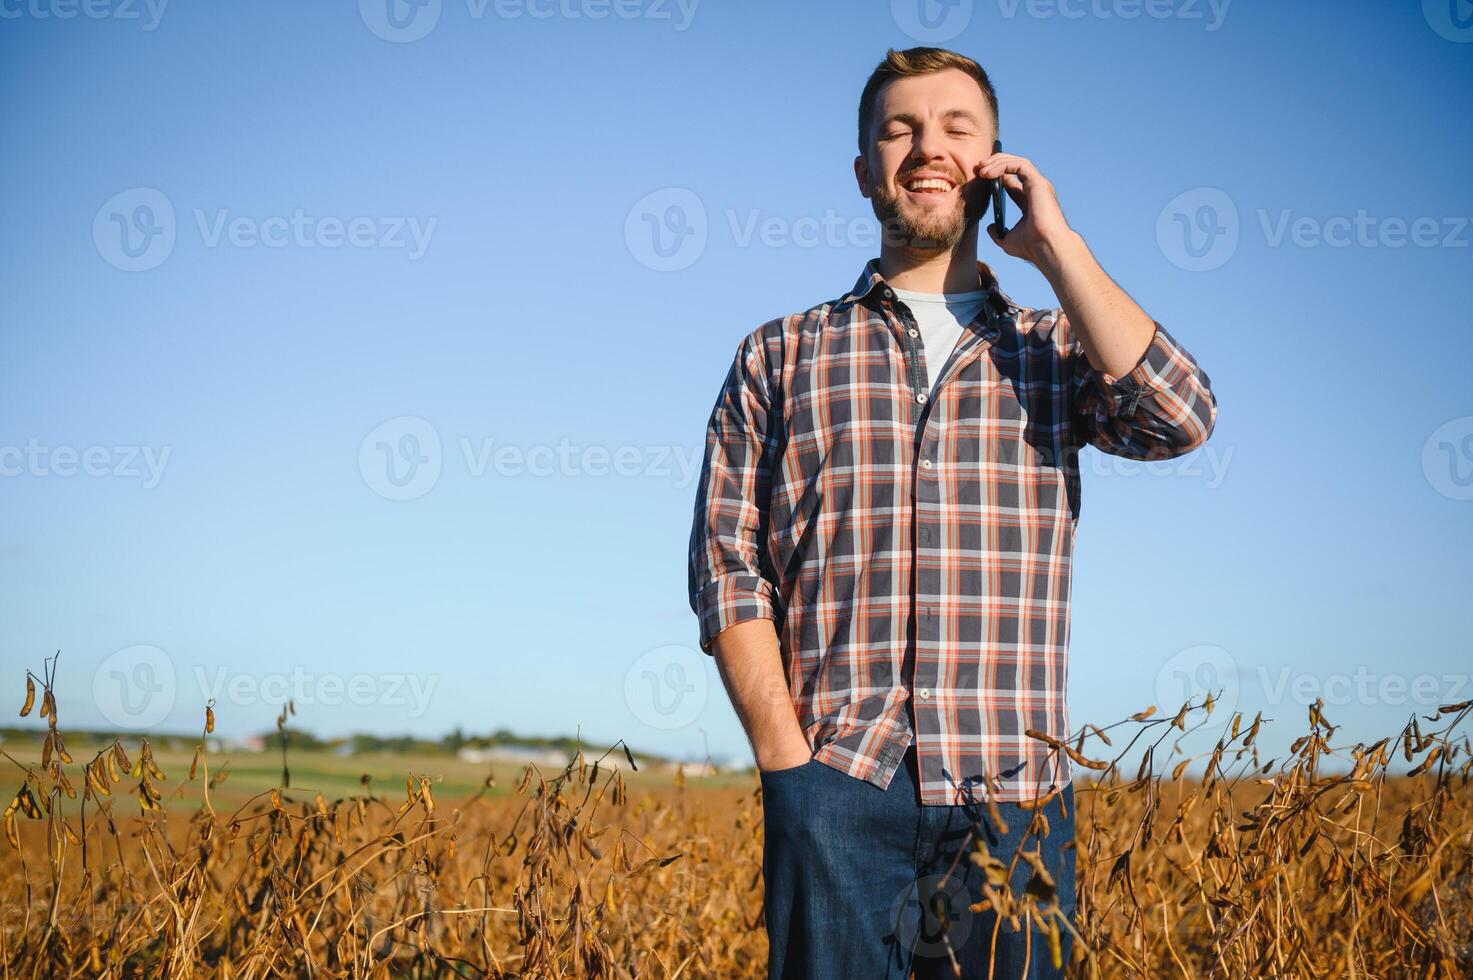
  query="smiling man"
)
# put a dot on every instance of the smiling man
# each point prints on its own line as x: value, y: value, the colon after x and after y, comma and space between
x: 881, y: 548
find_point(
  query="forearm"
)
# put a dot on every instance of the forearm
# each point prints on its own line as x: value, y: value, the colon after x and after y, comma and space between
x: 750, y: 662
x: 1112, y: 329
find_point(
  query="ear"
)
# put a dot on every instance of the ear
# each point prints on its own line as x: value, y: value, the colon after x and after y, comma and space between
x: 861, y: 174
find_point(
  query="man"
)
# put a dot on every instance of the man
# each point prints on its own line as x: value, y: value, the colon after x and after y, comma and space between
x: 880, y: 556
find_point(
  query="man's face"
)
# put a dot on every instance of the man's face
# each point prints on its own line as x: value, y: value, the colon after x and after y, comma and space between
x: 927, y: 134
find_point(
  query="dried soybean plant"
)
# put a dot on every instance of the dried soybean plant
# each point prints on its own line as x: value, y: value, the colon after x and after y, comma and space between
x: 568, y: 877
x: 1322, y: 865
x: 1338, y: 861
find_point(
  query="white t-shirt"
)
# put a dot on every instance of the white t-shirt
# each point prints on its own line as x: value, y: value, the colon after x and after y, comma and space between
x: 942, y: 318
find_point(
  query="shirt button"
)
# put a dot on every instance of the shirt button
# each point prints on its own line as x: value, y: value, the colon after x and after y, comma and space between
x: 921, y: 397
x: 925, y: 693
x: 926, y: 463
x: 913, y: 332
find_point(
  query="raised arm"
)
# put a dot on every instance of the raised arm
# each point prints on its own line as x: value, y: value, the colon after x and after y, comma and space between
x: 1136, y: 390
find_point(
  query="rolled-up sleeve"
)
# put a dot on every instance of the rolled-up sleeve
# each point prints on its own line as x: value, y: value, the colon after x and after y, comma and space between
x: 1162, y: 408
x: 728, y: 582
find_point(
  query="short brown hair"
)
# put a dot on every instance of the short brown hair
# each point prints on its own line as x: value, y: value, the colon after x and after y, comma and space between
x: 917, y: 61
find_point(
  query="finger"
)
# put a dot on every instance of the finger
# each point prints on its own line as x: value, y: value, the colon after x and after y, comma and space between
x: 989, y: 164
x: 1014, y: 186
x: 1000, y: 163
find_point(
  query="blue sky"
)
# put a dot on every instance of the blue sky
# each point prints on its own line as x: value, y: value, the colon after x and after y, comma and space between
x: 352, y: 237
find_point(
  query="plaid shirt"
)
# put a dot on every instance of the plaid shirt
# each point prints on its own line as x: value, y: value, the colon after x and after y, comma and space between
x: 913, y: 551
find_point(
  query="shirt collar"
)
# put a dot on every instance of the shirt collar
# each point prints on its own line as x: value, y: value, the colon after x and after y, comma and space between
x: 871, y: 285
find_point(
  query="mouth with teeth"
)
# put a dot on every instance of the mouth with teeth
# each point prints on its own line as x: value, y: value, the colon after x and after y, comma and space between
x: 928, y: 186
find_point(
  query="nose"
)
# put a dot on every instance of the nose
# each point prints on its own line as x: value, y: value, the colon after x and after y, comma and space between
x: 927, y: 144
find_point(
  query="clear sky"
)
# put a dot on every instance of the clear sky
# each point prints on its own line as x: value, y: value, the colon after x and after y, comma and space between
x: 363, y: 352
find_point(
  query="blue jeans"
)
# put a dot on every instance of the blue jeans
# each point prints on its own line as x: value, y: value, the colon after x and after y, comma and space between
x: 856, y: 884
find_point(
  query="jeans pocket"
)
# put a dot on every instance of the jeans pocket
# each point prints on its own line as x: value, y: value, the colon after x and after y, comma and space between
x: 767, y: 774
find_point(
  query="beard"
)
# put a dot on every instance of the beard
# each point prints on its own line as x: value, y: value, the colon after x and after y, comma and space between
x: 903, y: 223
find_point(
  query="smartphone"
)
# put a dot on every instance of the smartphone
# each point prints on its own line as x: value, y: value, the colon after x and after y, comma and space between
x: 999, y: 195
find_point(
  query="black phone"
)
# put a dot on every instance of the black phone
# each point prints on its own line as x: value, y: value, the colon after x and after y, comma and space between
x: 999, y: 196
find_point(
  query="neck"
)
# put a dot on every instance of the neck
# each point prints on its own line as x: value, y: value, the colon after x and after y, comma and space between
x: 952, y: 270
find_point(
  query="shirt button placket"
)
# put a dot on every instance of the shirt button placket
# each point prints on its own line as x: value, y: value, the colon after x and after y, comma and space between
x: 912, y: 345
x: 912, y: 357
x: 928, y: 590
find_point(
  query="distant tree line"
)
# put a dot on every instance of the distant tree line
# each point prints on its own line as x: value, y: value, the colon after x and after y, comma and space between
x: 299, y: 740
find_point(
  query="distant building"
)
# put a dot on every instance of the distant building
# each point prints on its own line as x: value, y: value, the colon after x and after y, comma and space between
x: 251, y: 743
x: 519, y: 755
x: 692, y: 770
